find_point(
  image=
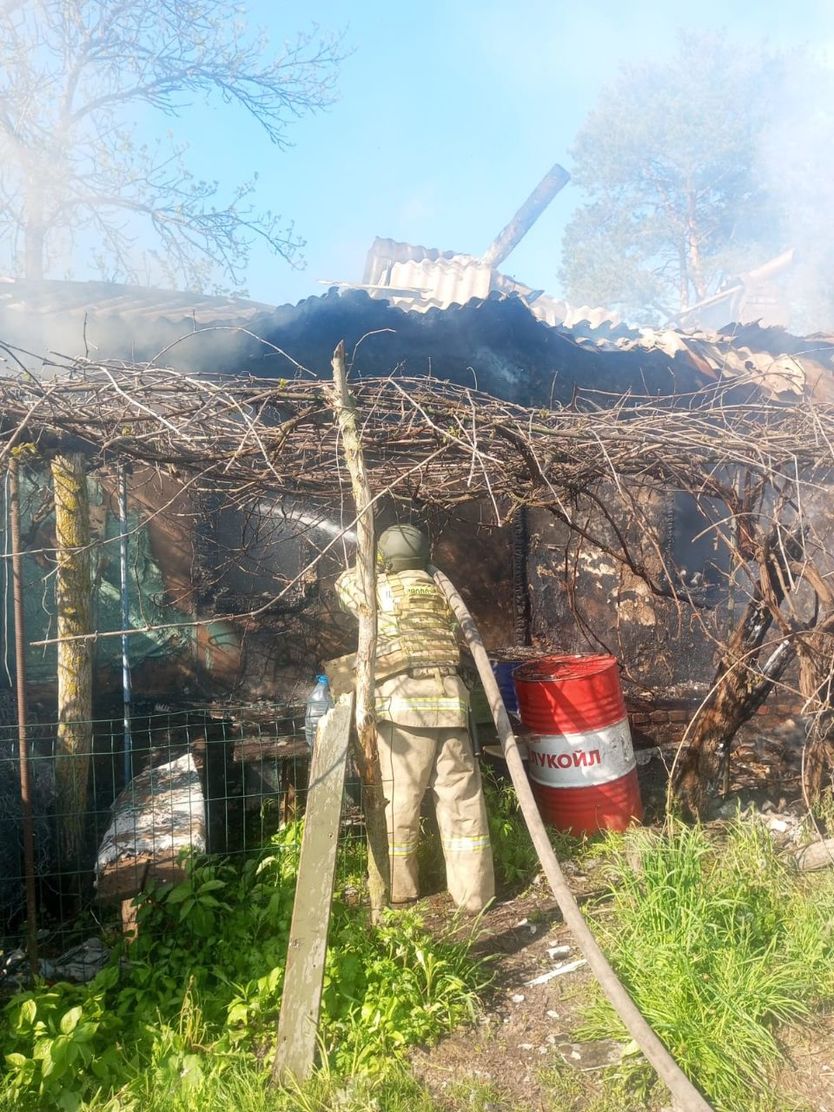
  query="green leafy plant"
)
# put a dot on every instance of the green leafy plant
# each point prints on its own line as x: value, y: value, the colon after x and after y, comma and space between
x: 515, y: 857
x: 63, y: 1045
x: 196, y: 997
x: 436, y: 981
x: 513, y: 853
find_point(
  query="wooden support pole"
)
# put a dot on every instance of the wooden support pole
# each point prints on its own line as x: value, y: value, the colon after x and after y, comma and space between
x: 366, y: 751
x: 22, y: 735
x: 73, y: 595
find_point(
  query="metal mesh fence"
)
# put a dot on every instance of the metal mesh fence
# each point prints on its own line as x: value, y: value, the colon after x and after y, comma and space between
x: 195, y: 780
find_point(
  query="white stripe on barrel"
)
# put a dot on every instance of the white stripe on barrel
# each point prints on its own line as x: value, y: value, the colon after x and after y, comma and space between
x: 577, y: 760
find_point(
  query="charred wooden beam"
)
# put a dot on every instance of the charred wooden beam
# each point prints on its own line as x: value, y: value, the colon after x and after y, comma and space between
x: 741, y: 685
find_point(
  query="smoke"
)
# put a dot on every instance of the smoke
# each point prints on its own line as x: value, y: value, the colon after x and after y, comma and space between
x: 33, y: 322
x: 98, y: 321
x: 796, y: 155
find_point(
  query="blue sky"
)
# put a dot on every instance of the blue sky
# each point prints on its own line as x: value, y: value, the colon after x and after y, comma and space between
x: 448, y: 115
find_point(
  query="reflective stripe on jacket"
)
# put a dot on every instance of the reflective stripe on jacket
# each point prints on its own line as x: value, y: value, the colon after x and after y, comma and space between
x: 425, y: 701
x: 415, y: 633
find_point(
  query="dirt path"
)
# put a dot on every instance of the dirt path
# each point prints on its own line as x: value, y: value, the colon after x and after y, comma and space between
x: 523, y: 1053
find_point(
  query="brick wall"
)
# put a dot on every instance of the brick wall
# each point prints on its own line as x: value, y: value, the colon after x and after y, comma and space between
x: 663, y: 721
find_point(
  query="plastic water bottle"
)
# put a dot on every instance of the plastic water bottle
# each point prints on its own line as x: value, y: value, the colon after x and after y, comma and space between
x: 319, y: 703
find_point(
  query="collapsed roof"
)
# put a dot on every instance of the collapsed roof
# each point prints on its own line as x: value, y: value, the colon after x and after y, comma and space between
x: 418, y: 278
x: 495, y: 343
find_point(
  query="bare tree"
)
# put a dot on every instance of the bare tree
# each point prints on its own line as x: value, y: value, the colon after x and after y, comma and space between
x: 78, y: 170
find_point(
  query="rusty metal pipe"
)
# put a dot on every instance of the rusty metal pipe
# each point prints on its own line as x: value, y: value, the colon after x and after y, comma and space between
x: 23, y: 738
x: 506, y: 241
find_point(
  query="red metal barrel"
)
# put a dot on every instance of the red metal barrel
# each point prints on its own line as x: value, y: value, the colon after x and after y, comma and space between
x: 581, y: 761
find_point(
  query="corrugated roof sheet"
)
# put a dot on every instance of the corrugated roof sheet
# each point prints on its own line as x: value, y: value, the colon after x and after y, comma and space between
x: 416, y: 279
x: 419, y: 278
x: 421, y: 284
x: 109, y: 299
x: 498, y: 341
x: 726, y: 355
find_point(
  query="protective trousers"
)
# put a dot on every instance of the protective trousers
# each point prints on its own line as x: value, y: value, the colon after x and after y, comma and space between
x: 413, y: 759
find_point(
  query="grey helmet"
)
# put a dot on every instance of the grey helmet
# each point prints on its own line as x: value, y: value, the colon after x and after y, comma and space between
x: 402, y: 548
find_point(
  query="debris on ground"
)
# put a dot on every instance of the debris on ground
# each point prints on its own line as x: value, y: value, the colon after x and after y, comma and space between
x: 817, y: 855
x: 596, y: 1055
x: 79, y: 965
x: 558, y: 971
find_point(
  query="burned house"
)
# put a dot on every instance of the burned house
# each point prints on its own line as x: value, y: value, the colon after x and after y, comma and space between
x: 528, y: 578
x: 230, y: 608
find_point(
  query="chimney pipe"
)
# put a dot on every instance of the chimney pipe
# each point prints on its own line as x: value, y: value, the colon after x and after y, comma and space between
x: 553, y: 181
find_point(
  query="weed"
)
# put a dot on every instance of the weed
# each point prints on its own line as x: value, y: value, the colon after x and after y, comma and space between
x: 246, y: 1088
x: 394, y: 1090
x: 718, y: 946
x: 480, y: 1096
x: 603, y: 1091
x: 515, y: 858
x: 564, y: 1086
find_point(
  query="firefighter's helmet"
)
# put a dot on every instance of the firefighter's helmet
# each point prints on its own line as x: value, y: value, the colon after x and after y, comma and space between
x: 403, y: 547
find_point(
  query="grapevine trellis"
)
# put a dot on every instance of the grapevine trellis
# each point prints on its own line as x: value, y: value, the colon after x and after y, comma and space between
x: 757, y: 465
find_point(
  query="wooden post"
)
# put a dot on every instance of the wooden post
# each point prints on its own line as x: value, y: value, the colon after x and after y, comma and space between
x: 73, y: 595
x: 301, y: 996
x: 367, y: 752
x: 22, y: 734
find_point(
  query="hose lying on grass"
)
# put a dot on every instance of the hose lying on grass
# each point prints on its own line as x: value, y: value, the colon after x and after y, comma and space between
x: 686, y: 1096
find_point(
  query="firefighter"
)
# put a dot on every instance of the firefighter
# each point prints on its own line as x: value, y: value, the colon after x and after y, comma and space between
x: 422, y: 708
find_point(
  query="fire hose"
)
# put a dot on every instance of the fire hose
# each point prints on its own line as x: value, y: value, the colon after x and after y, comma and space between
x: 686, y: 1096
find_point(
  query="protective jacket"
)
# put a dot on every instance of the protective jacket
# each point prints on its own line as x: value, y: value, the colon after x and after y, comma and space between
x: 417, y: 654
x: 422, y: 708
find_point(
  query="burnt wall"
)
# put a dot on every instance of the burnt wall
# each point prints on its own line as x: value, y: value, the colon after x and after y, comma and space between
x: 284, y: 647
x: 661, y: 719
x: 585, y: 600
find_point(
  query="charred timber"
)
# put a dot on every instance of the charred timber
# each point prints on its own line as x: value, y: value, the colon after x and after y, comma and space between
x: 740, y: 685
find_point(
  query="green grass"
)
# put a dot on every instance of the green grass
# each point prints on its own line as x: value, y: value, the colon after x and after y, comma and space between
x: 719, y: 945
x: 246, y: 1088
x: 602, y: 1091
x: 476, y: 1095
x: 515, y: 857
